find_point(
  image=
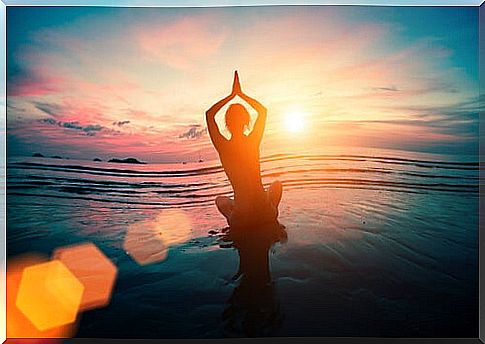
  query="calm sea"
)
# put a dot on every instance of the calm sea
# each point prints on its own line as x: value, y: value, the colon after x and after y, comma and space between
x: 380, y: 243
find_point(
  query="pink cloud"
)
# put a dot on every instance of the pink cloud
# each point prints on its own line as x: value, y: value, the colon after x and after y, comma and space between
x: 44, y: 79
x: 387, y: 134
x: 183, y: 43
x: 36, y: 85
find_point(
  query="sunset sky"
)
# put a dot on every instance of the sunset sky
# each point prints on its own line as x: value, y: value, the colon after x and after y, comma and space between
x: 104, y: 82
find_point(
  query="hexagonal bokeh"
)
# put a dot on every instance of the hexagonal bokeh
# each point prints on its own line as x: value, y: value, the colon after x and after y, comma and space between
x: 93, y: 269
x: 18, y: 325
x: 49, y: 295
x: 148, y: 241
x: 144, y: 246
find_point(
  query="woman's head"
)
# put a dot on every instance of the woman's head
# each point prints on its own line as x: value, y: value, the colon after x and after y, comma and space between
x: 237, y: 118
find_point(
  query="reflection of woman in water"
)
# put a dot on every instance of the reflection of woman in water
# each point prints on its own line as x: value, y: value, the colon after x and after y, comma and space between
x: 240, y: 159
x: 253, y: 308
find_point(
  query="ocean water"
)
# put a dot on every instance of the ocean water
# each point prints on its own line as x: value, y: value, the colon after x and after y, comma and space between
x: 379, y: 243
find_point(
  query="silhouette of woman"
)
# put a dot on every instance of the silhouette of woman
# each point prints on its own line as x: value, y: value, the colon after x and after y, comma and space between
x: 240, y: 159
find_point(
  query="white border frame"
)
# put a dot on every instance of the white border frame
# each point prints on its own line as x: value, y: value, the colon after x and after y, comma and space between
x: 145, y: 3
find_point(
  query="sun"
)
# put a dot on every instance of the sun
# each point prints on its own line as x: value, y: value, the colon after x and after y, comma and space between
x: 294, y: 121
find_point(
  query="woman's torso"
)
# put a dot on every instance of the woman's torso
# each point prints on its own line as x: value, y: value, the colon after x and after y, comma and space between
x: 240, y: 161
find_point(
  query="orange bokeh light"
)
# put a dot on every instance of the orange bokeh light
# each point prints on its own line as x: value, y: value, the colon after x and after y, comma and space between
x: 18, y: 325
x: 49, y: 295
x: 148, y: 241
x: 93, y: 269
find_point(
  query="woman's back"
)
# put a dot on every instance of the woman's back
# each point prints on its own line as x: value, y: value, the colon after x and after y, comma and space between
x: 240, y: 160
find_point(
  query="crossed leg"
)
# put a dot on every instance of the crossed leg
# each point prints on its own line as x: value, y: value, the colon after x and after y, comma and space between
x: 225, y: 205
x: 275, y: 192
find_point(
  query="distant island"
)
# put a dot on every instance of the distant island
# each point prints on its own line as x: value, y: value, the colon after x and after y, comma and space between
x: 121, y: 161
x: 127, y: 161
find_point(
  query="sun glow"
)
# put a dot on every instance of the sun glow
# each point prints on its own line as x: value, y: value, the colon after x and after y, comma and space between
x: 294, y: 121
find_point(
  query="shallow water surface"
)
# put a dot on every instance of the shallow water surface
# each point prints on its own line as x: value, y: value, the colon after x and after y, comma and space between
x: 380, y: 243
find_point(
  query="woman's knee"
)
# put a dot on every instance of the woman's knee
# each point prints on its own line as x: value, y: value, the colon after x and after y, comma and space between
x: 277, y: 185
x: 220, y: 200
x: 275, y: 191
x: 224, y: 204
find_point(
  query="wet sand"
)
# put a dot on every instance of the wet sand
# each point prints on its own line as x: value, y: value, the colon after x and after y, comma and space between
x: 382, y: 245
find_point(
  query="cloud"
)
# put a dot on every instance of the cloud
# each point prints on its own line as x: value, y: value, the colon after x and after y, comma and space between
x: 194, y: 132
x: 121, y: 123
x: 89, y: 129
x: 451, y: 129
x: 48, y: 108
x: 466, y: 109
x: 51, y: 121
x: 182, y: 43
x: 72, y: 112
x: 35, y: 83
x: 389, y: 88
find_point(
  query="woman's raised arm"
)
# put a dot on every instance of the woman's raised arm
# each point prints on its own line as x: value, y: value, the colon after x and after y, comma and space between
x: 258, y: 128
x: 210, y: 117
x: 214, y: 133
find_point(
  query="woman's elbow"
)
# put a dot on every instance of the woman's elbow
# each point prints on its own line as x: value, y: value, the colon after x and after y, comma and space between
x: 209, y: 114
